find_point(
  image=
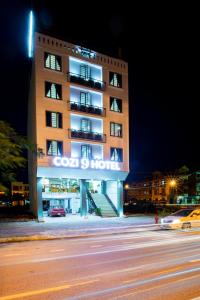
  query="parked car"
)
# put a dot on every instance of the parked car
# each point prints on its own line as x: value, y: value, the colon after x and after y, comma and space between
x: 56, y: 211
x: 183, y: 218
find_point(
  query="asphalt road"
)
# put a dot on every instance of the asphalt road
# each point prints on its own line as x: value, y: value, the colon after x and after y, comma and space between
x: 140, y: 265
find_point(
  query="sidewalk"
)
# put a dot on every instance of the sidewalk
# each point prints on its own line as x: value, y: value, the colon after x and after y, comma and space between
x: 72, y: 227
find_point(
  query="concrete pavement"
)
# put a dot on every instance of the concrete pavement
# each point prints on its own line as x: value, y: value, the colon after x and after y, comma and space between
x: 71, y: 227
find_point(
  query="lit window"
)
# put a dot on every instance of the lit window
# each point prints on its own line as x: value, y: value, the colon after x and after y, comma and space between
x: 52, y: 61
x: 116, y: 154
x: 115, y: 79
x: 53, y: 90
x: 86, y: 125
x: 86, y: 151
x: 85, y: 98
x: 116, y: 129
x: 115, y: 104
x: 54, y: 148
x: 53, y: 119
x: 85, y: 72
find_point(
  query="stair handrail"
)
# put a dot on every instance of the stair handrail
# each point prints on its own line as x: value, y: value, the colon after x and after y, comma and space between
x: 111, y: 204
x: 93, y: 203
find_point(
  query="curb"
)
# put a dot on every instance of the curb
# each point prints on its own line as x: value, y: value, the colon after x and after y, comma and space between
x: 14, y: 239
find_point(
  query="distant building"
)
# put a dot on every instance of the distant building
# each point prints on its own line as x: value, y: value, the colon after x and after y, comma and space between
x: 20, y: 193
x: 160, y: 188
x: 18, y: 187
x: 194, y: 185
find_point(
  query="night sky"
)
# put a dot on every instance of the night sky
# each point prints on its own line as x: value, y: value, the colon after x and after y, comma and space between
x: 160, y: 45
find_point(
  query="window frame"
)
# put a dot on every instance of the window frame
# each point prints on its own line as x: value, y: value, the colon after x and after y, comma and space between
x: 60, y: 119
x: 45, y: 94
x: 121, y: 154
x: 114, y: 129
x: 88, y: 151
x: 56, y: 56
x: 57, y: 147
x: 89, y: 124
x: 120, y: 79
x: 121, y: 105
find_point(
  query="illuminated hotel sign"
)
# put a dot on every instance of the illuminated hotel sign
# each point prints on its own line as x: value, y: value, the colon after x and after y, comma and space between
x: 85, y: 163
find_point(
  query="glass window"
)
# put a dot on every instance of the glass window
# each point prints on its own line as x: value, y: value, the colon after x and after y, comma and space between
x: 116, y: 154
x: 53, y: 119
x: 86, y: 125
x: 115, y: 104
x: 116, y: 129
x: 53, y: 90
x: 52, y: 61
x: 54, y: 148
x: 85, y: 98
x: 182, y: 212
x: 115, y: 79
x: 85, y: 72
x: 86, y: 151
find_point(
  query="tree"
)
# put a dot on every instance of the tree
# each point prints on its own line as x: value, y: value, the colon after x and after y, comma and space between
x: 184, y: 170
x: 11, y: 154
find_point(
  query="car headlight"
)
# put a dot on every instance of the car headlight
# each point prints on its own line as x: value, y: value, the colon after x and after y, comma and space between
x: 176, y: 221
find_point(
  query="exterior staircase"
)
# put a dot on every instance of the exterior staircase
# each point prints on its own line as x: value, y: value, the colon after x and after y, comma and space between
x: 104, y: 203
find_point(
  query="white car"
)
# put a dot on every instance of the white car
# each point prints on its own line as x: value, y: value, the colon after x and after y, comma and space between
x: 183, y: 218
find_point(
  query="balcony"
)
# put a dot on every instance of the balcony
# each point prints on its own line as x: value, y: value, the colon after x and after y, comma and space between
x: 86, y: 135
x: 89, y: 109
x: 90, y: 82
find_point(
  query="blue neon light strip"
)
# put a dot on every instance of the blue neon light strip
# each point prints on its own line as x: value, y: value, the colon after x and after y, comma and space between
x: 30, y: 35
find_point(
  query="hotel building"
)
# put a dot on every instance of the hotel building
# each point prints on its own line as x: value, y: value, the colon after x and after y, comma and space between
x: 78, y: 122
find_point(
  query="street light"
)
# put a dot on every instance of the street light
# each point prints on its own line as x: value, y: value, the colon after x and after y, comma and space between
x: 126, y: 186
x: 173, y: 184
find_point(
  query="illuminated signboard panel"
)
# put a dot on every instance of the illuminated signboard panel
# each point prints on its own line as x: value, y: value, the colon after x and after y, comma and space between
x: 85, y: 163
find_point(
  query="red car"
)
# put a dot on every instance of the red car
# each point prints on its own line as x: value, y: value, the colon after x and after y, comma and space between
x: 56, y: 211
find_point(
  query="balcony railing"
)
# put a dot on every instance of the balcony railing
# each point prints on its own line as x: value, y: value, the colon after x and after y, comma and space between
x: 90, y: 82
x: 89, y: 109
x: 86, y: 135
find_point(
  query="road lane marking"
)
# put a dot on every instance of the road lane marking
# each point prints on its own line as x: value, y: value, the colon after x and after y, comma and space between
x: 195, y: 260
x: 117, y: 249
x: 57, y: 250
x: 159, y: 273
x: 156, y: 287
x: 43, y: 291
x: 96, y: 246
x: 134, y: 285
x: 13, y: 254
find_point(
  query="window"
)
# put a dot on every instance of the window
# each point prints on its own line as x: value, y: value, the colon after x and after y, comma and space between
x: 86, y: 151
x: 86, y: 125
x: 54, y: 148
x: 53, y: 90
x: 115, y: 129
x: 85, y: 98
x: 85, y: 72
x: 115, y: 79
x: 52, y: 61
x: 115, y: 104
x: 116, y: 154
x: 53, y: 119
